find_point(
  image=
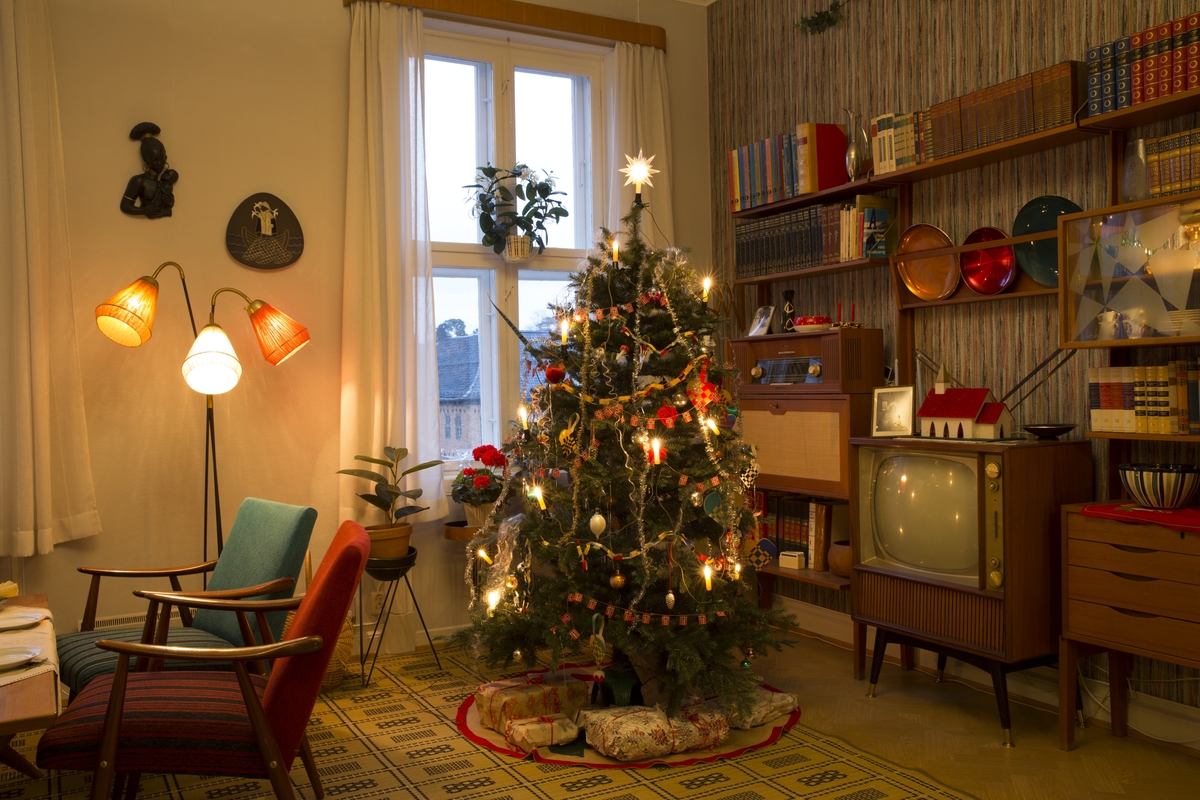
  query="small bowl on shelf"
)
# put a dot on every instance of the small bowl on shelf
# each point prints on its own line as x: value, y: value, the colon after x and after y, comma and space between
x: 809, y: 324
x: 1163, y: 486
x: 1049, y: 431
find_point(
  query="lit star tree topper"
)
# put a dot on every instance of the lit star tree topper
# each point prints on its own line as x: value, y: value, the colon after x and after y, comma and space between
x: 638, y: 171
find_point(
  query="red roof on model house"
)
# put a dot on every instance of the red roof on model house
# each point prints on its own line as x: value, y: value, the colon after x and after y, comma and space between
x: 991, y: 413
x: 957, y: 404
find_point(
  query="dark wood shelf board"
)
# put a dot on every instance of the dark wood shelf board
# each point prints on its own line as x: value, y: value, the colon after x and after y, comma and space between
x: 1023, y: 286
x: 1143, y: 437
x: 841, y: 192
x: 1013, y: 148
x: 825, y: 579
x: 1173, y: 105
x: 824, y: 269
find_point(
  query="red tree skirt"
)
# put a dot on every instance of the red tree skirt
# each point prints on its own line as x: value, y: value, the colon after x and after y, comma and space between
x: 739, y: 742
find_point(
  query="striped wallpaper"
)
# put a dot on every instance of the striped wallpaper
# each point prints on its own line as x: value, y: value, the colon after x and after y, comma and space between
x: 903, y: 55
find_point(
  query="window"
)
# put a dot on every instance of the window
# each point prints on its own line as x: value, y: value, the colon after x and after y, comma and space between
x: 502, y: 98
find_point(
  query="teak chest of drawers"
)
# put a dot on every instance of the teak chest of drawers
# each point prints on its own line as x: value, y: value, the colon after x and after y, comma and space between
x: 1128, y: 589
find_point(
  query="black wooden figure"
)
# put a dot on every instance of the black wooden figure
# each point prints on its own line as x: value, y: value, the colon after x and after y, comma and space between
x: 152, y: 193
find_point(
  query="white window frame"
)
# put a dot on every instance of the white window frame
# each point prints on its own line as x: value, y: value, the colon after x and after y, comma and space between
x: 508, y: 51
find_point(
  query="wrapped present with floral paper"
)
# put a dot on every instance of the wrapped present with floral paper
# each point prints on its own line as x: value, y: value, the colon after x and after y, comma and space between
x: 530, y: 732
x: 765, y: 706
x: 697, y: 727
x: 627, y: 733
x: 528, y: 696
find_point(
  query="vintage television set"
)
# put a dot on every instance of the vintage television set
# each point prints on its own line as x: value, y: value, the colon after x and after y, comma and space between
x: 956, y: 547
x: 803, y: 396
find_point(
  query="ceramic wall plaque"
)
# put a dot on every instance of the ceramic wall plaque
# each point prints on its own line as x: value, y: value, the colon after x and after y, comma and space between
x: 264, y: 233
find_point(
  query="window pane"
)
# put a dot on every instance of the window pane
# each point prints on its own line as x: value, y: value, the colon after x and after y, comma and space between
x: 536, y: 291
x: 456, y: 311
x: 547, y: 130
x: 452, y: 146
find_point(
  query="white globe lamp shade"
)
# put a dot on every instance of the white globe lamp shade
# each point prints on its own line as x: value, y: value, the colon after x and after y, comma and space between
x: 211, y: 366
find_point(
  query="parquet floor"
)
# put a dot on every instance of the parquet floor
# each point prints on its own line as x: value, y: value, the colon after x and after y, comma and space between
x: 951, y: 731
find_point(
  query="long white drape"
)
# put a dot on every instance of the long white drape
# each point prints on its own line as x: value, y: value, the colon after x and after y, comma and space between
x: 46, y: 491
x: 636, y: 77
x: 389, y: 357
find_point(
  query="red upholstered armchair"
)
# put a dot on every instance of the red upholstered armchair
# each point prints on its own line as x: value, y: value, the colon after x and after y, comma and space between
x: 213, y: 723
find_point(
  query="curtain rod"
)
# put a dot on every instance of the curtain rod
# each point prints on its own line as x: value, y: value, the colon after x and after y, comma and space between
x: 545, y: 18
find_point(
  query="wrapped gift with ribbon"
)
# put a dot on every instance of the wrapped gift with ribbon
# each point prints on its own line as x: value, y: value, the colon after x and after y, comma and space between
x: 528, y: 696
x: 638, y: 733
x: 529, y: 733
x: 765, y: 706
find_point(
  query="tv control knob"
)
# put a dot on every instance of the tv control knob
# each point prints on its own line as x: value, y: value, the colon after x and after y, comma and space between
x: 757, y: 372
x: 992, y: 470
x: 995, y: 487
x: 993, y: 562
x: 995, y: 579
x: 814, y: 370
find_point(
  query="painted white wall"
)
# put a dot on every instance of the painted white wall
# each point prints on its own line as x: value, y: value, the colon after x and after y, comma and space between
x: 251, y: 96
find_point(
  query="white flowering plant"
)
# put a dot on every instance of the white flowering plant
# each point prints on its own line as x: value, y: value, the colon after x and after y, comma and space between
x: 514, y: 202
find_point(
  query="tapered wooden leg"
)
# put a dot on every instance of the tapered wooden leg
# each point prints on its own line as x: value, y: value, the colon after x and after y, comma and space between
x: 941, y: 672
x: 118, y: 789
x: 106, y: 754
x: 877, y: 659
x: 310, y: 767
x: 268, y: 748
x: 766, y: 590
x: 133, y: 782
x: 906, y: 657
x: 1118, y: 692
x: 1068, y: 689
x: 860, y: 650
x: 12, y: 758
x: 1000, y: 687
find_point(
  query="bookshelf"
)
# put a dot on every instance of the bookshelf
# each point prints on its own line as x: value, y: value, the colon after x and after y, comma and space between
x: 1144, y: 437
x: 824, y: 579
x: 833, y: 193
x: 824, y: 269
x: 1173, y: 105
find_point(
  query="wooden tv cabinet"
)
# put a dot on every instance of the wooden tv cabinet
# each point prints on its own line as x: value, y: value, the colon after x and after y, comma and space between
x: 1127, y: 589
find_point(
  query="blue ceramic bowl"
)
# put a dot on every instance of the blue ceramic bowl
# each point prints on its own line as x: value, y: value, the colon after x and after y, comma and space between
x: 1039, y: 259
x: 1160, y: 485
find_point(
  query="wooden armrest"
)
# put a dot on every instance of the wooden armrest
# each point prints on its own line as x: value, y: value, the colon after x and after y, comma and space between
x: 165, y: 572
x: 277, y: 585
x: 193, y: 601
x: 293, y: 647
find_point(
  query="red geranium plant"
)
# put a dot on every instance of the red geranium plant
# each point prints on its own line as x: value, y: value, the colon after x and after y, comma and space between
x: 480, y: 487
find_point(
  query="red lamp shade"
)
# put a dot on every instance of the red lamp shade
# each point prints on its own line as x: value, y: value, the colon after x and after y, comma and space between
x: 279, y: 335
x: 128, y: 316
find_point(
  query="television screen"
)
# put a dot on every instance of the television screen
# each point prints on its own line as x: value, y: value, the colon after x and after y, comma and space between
x: 926, y: 510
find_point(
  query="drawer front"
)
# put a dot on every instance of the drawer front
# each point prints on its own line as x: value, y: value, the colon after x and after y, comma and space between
x: 1152, y: 537
x: 1163, y: 598
x: 1171, y: 637
x: 1132, y: 560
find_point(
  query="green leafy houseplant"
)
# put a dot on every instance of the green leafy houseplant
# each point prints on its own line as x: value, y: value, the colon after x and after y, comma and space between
x: 496, y: 195
x: 387, y: 492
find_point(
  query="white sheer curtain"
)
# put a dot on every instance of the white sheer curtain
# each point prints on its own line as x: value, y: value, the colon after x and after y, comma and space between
x: 636, y: 77
x: 46, y: 491
x: 389, y: 356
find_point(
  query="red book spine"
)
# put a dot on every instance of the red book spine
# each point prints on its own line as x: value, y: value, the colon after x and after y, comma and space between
x: 1193, y: 51
x: 1178, y: 55
x: 831, y: 155
x: 1150, y: 65
x: 1135, y: 68
x: 1164, y: 59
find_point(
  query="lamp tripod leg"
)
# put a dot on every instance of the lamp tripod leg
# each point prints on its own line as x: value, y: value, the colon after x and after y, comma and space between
x: 212, y: 446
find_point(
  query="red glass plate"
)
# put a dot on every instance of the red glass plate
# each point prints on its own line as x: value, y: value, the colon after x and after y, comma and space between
x: 928, y: 278
x: 988, y: 271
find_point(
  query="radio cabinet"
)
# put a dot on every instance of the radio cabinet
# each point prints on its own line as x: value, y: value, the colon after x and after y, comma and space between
x: 835, y: 361
x: 803, y: 442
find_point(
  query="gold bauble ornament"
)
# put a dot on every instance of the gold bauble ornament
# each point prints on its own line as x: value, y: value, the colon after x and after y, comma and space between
x: 670, y: 599
x: 511, y: 581
x: 617, y: 581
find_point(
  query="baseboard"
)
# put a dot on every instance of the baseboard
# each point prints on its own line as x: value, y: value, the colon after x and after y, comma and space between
x: 1153, y: 719
x: 401, y: 638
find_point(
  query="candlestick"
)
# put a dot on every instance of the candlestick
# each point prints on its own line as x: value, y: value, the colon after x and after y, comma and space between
x: 483, y: 554
x: 616, y: 251
x: 852, y: 304
x: 707, y: 578
x: 523, y: 415
x: 537, y: 494
x: 707, y: 284
x: 839, y: 319
x: 656, y: 446
x: 566, y: 326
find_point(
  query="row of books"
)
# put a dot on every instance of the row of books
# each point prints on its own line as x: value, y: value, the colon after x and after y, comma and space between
x: 1173, y: 163
x: 787, y: 165
x: 1023, y: 106
x: 1161, y: 400
x: 796, y: 525
x: 1162, y: 60
x: 815, y: 236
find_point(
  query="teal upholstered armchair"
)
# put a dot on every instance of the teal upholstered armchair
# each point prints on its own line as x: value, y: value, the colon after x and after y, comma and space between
x: 261, y: 560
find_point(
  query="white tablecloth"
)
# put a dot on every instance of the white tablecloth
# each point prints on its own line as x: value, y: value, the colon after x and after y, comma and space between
x: 41, y: 636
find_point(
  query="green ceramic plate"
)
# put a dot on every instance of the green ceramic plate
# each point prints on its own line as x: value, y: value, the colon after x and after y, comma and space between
x: 1040, y: 259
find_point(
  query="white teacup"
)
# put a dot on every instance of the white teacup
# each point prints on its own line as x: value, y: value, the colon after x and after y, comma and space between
x: 1112, y: 325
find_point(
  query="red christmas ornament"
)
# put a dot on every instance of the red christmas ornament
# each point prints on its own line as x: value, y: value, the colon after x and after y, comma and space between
x: 555, y: 373
x: 667, y: 415
x: 700, y: 391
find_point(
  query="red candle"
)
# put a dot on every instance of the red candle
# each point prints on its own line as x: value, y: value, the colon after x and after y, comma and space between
x: 851, y: 312
x: 839, y: 319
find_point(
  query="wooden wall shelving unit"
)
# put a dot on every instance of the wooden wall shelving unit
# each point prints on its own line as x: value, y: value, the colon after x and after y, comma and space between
x: 824, y: 269
x: 1173, y: 105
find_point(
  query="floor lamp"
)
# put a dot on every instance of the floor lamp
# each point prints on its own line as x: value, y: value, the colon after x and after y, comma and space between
x: 211, y: 366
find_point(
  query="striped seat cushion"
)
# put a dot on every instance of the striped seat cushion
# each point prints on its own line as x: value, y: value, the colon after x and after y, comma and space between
x: 81, y: 662
x: 182, y: 722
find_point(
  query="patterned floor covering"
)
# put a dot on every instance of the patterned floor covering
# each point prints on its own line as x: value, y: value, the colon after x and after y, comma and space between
x: 397, y: 739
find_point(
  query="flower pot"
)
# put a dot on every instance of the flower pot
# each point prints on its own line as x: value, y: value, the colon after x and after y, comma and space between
x: 516, y: 248
x: 390, y: 541
x: 841, y: 560
x: 476, y: 514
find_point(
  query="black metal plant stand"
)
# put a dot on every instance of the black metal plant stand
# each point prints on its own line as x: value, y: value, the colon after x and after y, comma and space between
x: 388, y: 571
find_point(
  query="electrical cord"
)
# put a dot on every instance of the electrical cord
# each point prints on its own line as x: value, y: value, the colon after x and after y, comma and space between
x: 1100, y: 705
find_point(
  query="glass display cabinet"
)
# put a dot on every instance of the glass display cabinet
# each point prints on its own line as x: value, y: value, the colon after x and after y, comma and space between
x: 1127, y: 274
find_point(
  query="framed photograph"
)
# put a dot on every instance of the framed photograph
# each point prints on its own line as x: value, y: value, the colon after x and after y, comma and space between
x: 761, y: 323
x: 892, y: 413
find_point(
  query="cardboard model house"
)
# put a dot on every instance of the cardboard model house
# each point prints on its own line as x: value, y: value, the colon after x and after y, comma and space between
x: 950, y: 413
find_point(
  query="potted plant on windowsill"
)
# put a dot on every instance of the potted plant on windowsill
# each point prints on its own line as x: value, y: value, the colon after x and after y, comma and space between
x: 478, y: 489
x: 495, y: 197
x: 390, y: 540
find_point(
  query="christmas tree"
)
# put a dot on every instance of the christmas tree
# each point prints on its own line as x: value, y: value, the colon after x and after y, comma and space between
x: 634, y: 478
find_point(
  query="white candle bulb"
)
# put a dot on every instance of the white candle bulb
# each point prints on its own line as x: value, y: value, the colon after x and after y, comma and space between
x: 707, y: 578
x: 566, y: 326
x: 656, y: 446
x: 541, y: 501
x: 523, y: 414
x: 707, y: 285
x: 483, y: 554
